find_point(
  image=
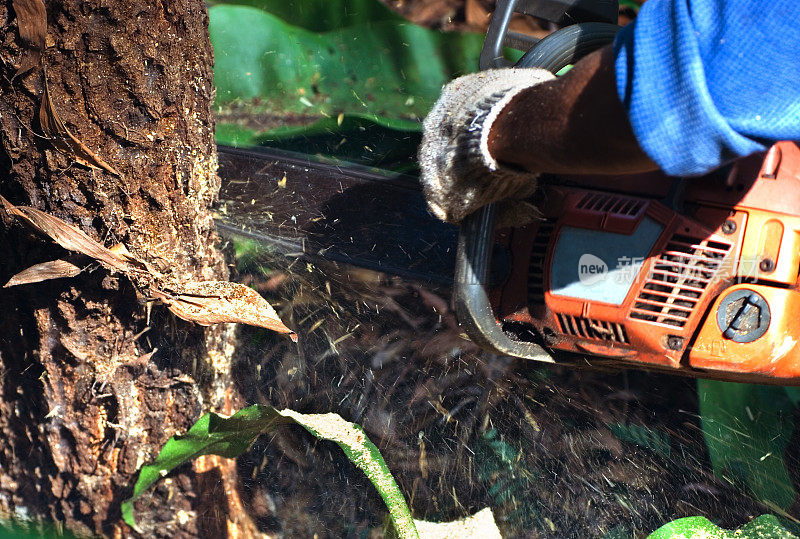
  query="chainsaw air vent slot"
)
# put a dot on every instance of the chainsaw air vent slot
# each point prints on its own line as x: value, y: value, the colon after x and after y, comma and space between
x: 605, y: 203
x: 677, y: 279
x: 536, y: 268
x: 592, y: 329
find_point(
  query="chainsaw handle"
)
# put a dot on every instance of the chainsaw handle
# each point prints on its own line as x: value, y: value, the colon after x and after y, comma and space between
x: 568, y: 45
x: 476, y: 234
x: 473, y: 309
x: 557, y: 11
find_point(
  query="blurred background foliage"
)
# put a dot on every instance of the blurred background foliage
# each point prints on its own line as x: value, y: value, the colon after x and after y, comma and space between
x: 346, y: 78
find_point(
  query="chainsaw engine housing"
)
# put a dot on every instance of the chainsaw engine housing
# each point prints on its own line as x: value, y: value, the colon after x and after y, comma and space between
x: 697, y: 275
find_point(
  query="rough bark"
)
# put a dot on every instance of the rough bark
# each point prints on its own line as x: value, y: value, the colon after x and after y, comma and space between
x: 93, y: 380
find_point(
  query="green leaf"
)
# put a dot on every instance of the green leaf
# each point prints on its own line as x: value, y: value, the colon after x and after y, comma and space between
x: 700, y: 527
x: 386, y: 68
x: 230, y: 437
x: 352, y: 439
x: 231, y: 134
x: 250, y: 254
x: 211, y: 435
x: 291, y: 61
x: 747, y: 429
x: 33, y: 529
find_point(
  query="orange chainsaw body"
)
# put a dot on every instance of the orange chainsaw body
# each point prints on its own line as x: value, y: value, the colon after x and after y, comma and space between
x: 696, y: 275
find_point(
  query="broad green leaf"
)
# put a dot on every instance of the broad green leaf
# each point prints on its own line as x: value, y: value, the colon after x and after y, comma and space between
x: 230, y: 437
x: 323, y: 15
x: 211, y: 435
x: 747, y: 429
x: 387, y: 68
x: 763, y: 527
x: 231, y: 134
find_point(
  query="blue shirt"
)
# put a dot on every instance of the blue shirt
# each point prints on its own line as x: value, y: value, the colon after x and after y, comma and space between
x: 707, y: 81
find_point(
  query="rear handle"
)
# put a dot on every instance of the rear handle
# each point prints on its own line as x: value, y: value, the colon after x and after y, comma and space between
x: 562, y: 12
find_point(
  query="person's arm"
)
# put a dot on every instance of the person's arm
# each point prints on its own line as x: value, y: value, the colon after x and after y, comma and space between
x: 572, y: 125
x: 689, y: 86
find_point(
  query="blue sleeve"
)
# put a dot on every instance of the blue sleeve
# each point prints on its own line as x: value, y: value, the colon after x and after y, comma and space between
x: 707, y: 81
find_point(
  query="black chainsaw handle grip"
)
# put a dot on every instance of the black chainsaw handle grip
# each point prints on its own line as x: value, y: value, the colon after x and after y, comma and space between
x: 562, y: 12
x: 476, y: 234
x: 568, y: 45
x: 473, y: 309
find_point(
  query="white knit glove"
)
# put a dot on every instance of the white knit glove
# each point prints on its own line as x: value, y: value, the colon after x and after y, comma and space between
x: 458, y: 173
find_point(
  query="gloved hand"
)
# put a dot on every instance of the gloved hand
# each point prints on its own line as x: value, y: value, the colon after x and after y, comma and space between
x: 458, y: 173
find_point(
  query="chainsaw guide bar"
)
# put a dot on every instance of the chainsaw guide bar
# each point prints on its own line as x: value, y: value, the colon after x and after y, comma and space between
x: 345, y: 213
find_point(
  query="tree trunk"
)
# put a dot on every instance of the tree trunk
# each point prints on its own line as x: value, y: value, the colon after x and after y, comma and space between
x: 94, y: 380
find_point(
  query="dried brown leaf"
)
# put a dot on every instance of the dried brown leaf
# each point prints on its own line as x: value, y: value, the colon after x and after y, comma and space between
x: 213, y: 302
x: 63, y: 139
x: 72, y: 239
x: 32, y: 23
x: 56, y: 269
x: 203, y: 302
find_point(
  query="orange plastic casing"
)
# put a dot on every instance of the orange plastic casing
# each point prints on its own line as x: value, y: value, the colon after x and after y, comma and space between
x: 734, y: 231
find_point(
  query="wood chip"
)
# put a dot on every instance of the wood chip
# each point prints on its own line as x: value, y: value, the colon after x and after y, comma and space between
x: 56, y: 269
x: 481, y: 524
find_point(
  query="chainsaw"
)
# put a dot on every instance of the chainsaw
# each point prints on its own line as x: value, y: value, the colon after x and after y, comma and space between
x: 691, y: 276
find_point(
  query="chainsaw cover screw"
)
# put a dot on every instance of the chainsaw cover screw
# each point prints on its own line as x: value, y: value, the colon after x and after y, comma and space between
x: 729, y: 227
x: 674, y: 342
x: 767, y: 265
